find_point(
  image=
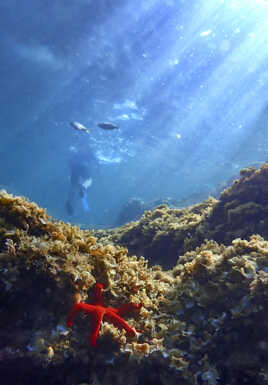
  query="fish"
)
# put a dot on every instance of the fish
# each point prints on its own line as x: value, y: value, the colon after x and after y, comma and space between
x: 80, y: 127
x: 107, y: 125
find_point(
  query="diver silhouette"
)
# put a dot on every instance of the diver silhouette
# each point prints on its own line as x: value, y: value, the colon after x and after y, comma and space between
x: 80, y: 166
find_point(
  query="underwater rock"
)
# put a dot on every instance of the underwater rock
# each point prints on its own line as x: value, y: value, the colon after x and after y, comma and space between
x: 43, y: 264
x: 134, y: 208
x: 242, y: 208
x: 161, y: 235
x: 131, y: 210
x: 202, y: 322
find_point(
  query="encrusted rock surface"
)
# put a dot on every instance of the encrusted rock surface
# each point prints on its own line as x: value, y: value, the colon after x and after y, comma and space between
x: 163, y: 234
x: 203, y: 322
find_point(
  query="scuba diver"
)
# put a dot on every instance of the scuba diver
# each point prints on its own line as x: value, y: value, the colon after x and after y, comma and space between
x: 80, y: 166
x: 81, y: 163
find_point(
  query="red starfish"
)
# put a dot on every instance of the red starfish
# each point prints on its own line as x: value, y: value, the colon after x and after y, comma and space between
x: 99, y: 312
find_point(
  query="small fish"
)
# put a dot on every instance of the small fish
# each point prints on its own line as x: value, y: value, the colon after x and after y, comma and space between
x: 107, y: 125
x: 80, y: 127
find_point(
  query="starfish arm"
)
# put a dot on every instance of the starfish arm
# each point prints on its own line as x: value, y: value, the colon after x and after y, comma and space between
x: 96, y: 319
x: 98, y: 312
x: 77, y: 308
x: 116, y: 320
x: 98, y: 294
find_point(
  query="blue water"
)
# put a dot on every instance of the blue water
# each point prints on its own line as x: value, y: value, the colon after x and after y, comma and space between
x: 185, y: 81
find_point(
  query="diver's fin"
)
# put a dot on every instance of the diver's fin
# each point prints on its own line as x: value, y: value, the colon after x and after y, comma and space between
x: 85, y: 202
x: 87, y: 183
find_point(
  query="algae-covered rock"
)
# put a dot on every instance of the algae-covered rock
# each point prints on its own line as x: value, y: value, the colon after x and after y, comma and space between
x: 203, y: 322
x: 242, y: 209
x: 163, y: 234
x: 221, y: 297
x: 43, y: 263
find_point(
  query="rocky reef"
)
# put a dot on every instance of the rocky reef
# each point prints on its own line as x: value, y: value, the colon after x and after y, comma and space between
x: 162, y: 235
x: 203, y: 322
x: 134, y: 208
